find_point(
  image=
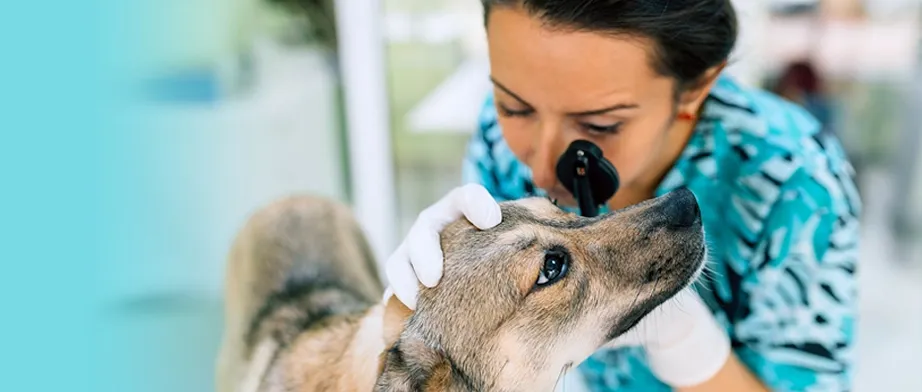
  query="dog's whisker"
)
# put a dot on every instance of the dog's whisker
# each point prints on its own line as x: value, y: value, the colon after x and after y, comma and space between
x: 710, y: 272
x: 639, y: 290
x: 652, y: 292
x: 561, y: 375
x: 707, y: 281
x: 498, y: 374
x: 681, y: 306
x: 708, y: 277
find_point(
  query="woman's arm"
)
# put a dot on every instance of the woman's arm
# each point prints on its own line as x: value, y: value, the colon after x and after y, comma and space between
x: 733, y: 376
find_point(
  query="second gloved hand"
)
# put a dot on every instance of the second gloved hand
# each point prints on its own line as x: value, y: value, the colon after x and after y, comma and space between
x: 685, y: 344
x: 419, y: 257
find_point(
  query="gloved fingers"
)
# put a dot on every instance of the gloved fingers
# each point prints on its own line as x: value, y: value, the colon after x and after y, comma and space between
x: 695, y: 333
x: 436, y: 216
x: 424, y: 248
x: 683, y: 307
x: 422, y: 245
x: 402, y: 278
x: 673, y: 321
x: 420, y: 259
x: 478, y: 206
x: 668, y: 323
x: 473, y: 202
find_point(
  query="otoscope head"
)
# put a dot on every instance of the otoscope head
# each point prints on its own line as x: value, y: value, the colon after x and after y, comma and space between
x: 585, y: 172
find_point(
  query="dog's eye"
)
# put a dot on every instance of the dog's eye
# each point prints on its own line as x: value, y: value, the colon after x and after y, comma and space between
x: 556, y: 264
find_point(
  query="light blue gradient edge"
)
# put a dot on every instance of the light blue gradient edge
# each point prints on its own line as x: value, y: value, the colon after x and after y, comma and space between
x: 78, y: 170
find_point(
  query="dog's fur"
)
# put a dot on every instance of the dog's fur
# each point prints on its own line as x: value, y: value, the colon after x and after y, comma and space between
x: 304, y: 310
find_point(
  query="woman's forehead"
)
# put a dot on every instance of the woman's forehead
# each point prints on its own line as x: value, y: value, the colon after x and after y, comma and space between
x: 538, y: 62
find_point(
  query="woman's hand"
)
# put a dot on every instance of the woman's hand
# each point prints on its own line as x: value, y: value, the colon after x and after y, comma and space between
x: 684, y: 343
x: 419, y: 258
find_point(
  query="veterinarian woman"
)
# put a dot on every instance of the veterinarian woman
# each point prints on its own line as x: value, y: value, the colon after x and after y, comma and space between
x: 643, y: 80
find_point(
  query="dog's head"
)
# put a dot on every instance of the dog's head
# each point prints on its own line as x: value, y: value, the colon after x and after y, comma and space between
x: 520, y: 303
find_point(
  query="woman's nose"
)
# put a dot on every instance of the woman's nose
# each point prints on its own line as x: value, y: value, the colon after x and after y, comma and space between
x: 544, y: 160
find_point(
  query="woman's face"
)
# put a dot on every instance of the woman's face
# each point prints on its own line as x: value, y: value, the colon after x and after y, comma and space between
x: 553, y: 87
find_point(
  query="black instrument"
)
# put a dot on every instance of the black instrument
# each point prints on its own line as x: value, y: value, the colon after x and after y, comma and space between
x: 590, y: 177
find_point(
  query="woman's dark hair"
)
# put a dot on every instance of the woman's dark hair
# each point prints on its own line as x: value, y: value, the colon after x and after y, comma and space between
x: 691, y: 36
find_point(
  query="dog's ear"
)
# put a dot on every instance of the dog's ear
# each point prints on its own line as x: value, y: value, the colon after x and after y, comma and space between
x: 396, y: 315
x: 411, y: 365
x: 394, y: 321
x: 408, y: 364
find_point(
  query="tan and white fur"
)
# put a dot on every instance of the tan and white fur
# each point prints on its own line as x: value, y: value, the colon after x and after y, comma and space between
x: 304, y: 311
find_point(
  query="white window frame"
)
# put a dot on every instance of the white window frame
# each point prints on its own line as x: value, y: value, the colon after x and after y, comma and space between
x: 359, y: 27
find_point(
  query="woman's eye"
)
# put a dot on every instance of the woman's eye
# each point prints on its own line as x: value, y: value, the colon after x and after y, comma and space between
x: 606, y: 129
x: 515, y: 113
x: 556, y: 265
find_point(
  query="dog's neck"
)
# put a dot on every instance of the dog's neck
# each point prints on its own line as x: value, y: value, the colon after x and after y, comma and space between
x: 375, y: 343
x: 412, y: 365
x: 360, y: 363
x: 409, y: 363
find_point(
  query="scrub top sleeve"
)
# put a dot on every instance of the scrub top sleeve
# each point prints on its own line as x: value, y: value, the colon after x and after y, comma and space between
x: 796, y: 329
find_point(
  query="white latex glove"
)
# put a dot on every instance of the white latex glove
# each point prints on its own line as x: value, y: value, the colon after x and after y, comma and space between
x: 684, y: 343
x: 419, y: 258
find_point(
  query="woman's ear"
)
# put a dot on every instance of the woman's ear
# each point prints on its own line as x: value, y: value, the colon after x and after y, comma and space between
x: 692, y: 96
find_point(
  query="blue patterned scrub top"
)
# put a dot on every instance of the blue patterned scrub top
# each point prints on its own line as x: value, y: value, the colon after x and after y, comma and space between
x: 781, y: 214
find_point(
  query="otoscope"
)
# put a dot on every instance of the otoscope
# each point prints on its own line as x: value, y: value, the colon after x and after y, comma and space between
x: 591, y: 178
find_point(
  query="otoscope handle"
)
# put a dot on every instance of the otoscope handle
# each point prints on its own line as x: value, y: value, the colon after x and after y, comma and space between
x: 581, y: 185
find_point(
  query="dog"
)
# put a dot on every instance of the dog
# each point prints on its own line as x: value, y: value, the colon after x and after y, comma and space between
x: 518, y: 304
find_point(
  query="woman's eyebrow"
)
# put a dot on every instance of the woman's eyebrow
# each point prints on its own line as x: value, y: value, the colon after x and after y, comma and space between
x: 620, y: 106
x: 595, y: 112
x: 507, y: 91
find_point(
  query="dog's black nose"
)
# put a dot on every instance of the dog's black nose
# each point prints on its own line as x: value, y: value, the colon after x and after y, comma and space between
x: 681, y: 209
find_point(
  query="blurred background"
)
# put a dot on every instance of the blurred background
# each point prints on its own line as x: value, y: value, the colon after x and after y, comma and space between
x: 372, y: 102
